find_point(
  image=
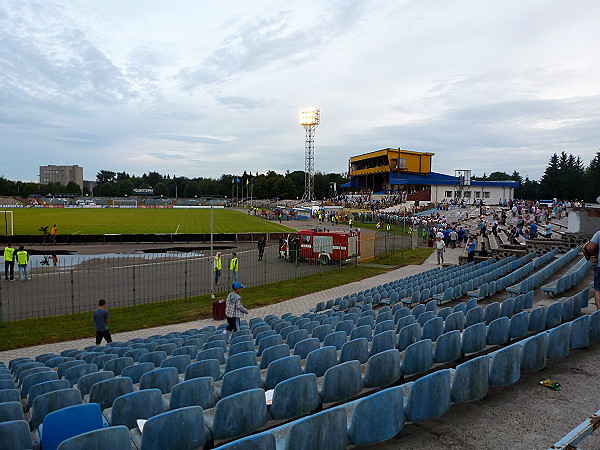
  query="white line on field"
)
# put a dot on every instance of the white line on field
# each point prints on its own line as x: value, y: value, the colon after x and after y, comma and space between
x: 177, y: 229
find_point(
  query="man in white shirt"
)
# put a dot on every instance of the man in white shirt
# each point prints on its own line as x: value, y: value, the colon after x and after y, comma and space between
x: 440, y: 246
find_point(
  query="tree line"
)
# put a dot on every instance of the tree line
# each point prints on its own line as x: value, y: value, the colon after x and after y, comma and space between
x: 566, y: 177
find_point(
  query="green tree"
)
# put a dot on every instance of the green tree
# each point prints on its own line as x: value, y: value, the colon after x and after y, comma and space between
x: 161, y: 188
x: 592, y: 179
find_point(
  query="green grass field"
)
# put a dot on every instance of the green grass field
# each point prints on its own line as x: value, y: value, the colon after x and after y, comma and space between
x: 138, y: 220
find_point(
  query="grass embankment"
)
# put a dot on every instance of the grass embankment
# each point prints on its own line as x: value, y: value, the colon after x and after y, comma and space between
x: 405, y: 257
x: 394, y: 229
x: 139, y: 221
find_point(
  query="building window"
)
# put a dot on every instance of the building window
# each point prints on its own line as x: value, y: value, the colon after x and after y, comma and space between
x: 448, y: 194
x: 467, y: 194
x: 477, y: 194
x: 486, y: 195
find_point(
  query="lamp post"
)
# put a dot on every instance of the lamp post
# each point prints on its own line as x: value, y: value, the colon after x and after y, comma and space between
x: 212, y: 275
x: 309, y: 120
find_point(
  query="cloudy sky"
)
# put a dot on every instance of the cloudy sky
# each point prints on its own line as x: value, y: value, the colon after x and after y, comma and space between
x: 201, y: 88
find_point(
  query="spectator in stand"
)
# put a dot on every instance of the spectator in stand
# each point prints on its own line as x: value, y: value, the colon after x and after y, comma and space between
x: 461, y: 235
x: 483, y: 251
x: 532, y: 230
x: 453, y: 238
x: 592, y: 247
x: 471, y: 246
x: 548, y: 229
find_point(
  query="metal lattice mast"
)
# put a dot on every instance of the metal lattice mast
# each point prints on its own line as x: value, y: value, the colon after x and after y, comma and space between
x: 309, y: 119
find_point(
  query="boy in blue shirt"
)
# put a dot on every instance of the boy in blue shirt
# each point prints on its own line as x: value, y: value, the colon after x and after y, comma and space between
x: 101, y: 317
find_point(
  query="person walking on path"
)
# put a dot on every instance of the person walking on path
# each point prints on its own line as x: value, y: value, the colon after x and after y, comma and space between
x: 592, y: 247
x: 101, y: 317
x: 53, y: 233
x: 234, y: 308
x: 453, y: 238
x: 217, y: 267
x: 234, y: 266
x: 9, y: 262
x: 262, y: 243
x: 471, y: 250
x: 23, y: 262
x: 440, y: 247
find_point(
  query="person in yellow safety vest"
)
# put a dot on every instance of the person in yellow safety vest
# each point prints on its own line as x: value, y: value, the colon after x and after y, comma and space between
x: 350, y: 222
x: 388, y: 228
x: 9, y: 262
x: 234, y: 266
x: 218, y: 266
x: 53, y: 233
x: 23, y: 261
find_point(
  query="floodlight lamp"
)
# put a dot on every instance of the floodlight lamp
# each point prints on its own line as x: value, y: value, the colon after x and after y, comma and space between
x: 309, y: 116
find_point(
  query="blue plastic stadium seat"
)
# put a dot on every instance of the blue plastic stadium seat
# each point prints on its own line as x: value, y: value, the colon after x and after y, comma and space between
x: 237, y: 415
x: 11, y: 411
x: 163, y: 379
x: 473, y: 316
x: 262, y: 441
x: 304, y: 347
x: 408, y: 335
x: 363, y: 331
x: 319, y: 360
x: 296, y: 336
x: 194, y: 392
x: 142, y: 404
x: 342, y: 382
x: 474, y: 338
x: 376, y: 418
x: 239, y: 360
x: 15, y: 434
x: 274, y: 353
x: 595, y: 325
x: 34, y: 379
x: 558, y: 341
x: 282, y: 369
x: 204, y: 368
x: 518, y: 326
x: 554, y: 315
x: 491, y: 312
x: 42, y: 388
x: 336, y: 339
x: 357, y: 349
x: 448, y: 347
x: 241, y: 380
x: 537, y: 319
x: 295, y: 397
x: 383, y: 369
x: 498, y: 330
x: 454, y: 321
x: 213, y: 353
x: 267, y: 342
x: 182, y: 428
x: 74, y: 373
x: 417, y: 357
x: 383, y: 341
x: 10, y: 395
x: 155, y: 357
x: 106, y: 391
x: 505, y: 366
x: 68, y: 422
x: 429, y: 397
x: 324, y: 430
x: 51, y: 401
x: 470, y: 380
x: 534, y: 352
x: 432, y: 329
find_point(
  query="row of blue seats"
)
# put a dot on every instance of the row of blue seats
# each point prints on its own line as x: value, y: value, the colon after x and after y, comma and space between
x: 537, y: 279
x: 573, y: 276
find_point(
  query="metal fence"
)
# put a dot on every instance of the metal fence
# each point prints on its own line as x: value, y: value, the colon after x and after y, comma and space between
x: 73, y: 284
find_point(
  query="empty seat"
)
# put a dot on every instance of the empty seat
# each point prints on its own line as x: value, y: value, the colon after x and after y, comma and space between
x: 52, y: 401
x: 534, y: 352
x: 137, y: 353
x: 41, y: 388
x: 142, y: 404
x: 474, y: 338
x: 505, y: 366
x: 342, y: 382
x: 580, y: 332
x: 383, y: 369
x: 454, y: 321
x: 213, y: 353
x: 408, y: 335
x: 34, y: 379
x: 470, y: 380
x: 319, y: 360
x: 498, y: 329
x: 194, y: 392
x: 491, y: 312
x: 163, y: 379
x: 558, y: 341
x: 537, y: 319
x: 295, y: 397
x: 15, y: 434
x: 417, y: 357
x: 363, y: 331
x: 155, y: 357
x: 74, y: 373
x: 267, y: 342
x: 11, y: 411
x: 432, y: 329
x: 518, y: 325
x: 10, y: 395
x: 429, y: 397
x: 274, y: 353
x: 172, y: 430
x: 304, y: 347
x: 241, y: 347
x: 204, y: 368
x: 355, y: 349
x: 179, y: 362
x: 473, y: 316
x: 237, y: 415
x: 241, y: 380
x: 336, y: 339
x: 282, y: 369
x: 447, y: 347
x: 376, y: 418
x: 68, y: 422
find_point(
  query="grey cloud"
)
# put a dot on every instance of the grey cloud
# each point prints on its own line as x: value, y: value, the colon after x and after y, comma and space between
x: 167, y: 156
x: 191, y: 139
x: 265, y: 40
x: 240, y: 102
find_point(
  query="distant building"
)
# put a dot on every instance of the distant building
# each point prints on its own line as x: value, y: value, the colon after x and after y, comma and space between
x: 409, y: 172
x: 62, y: 174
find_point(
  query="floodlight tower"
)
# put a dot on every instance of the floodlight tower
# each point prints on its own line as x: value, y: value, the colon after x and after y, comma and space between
x: 309, y: 119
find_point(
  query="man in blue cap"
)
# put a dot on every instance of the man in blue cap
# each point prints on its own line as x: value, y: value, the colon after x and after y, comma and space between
x: 234, y: 308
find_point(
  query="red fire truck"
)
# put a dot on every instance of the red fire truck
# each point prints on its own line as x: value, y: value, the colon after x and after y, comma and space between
x: 324, y: 246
